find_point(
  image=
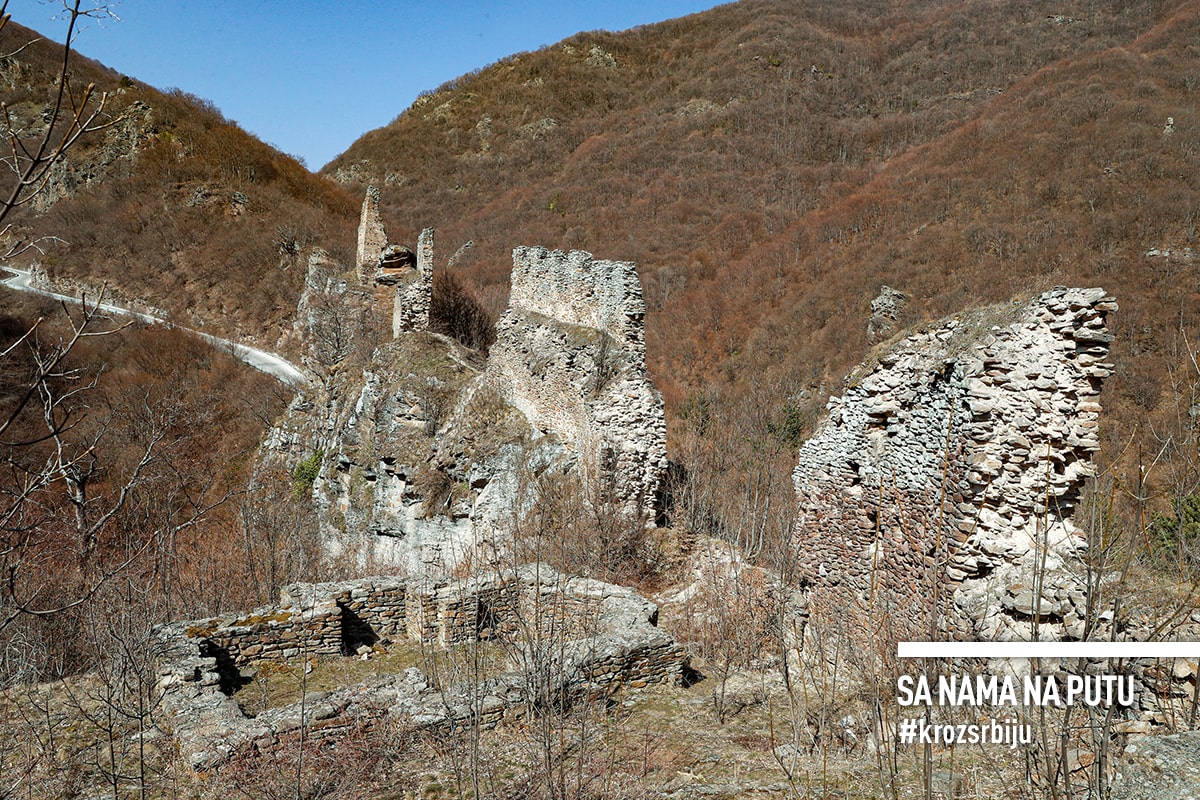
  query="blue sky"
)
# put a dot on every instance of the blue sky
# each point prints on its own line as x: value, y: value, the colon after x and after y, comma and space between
x: 310, y: 77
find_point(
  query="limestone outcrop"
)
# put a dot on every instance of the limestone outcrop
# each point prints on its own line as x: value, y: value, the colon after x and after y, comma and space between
x: 939, y: 491
x: 77, y: 170
x: 331, y: 316
x: 570, y: 354
x: 374, y: 434
x: 430, y: 457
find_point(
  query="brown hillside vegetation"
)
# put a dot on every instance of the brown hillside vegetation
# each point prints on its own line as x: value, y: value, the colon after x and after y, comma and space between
x: 158, y: 432
x: 770, y: 165
x: 1074, y: 176
x: 173, y: 203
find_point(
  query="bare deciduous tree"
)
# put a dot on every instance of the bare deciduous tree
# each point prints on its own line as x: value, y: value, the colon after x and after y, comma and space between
x: 57, y: 498
x: 73, y: 114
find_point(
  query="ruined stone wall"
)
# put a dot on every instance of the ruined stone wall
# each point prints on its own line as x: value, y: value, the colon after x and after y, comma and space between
x: 410, y: 311
x: 385, y: 265
x: 311, y: 619
x: 570, y: 354
x: 372, y: 239
x: 948, y: 469
x: 599, y: 638
x: 576, y: 289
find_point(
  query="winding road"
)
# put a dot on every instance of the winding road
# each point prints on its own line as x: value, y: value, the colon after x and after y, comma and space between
x: 271, y: 363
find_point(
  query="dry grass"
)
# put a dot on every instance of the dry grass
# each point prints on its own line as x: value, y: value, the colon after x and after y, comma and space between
x: 71, y: 736
x: 280, y: 683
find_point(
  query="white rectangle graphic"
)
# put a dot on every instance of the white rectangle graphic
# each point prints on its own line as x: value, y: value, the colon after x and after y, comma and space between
x: 1048, y: 649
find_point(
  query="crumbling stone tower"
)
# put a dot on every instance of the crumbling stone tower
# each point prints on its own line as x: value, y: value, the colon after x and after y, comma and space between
x: 570, y: 354
x: 380, y: 265
x: 414, y: 290
x: 938, y: 493
x: 372, y: 238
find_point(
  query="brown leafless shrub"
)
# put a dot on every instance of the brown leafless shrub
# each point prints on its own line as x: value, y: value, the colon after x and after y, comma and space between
x: 455, y: 312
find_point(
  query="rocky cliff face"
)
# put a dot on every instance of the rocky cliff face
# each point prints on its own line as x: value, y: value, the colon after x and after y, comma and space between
x: 384, y: 494
x: 428, y: 456
x: 941, y: 486
x: 120, y: 145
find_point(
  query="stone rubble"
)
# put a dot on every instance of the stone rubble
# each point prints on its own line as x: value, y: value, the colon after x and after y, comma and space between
x: 1159, y: 768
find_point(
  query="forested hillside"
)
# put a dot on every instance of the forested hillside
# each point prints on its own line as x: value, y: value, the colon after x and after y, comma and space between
x: 170, y: 202
x: 771, y: 165
x: 127, y: 451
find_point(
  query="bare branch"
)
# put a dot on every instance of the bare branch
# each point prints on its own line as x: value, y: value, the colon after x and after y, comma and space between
x: 82, y: 115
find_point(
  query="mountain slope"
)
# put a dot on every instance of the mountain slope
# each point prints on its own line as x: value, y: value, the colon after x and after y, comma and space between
x: 1081, y: 174
x: 172, y: 203
x: 771, y: 165
x: 683, y: 144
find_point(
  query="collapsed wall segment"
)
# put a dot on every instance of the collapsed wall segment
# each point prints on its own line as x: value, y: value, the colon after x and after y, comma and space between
x: 949, y: 471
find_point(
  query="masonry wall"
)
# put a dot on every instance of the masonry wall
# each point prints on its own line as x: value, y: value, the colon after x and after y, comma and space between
x: 570, y: 354
x: 579, y: 290
x: 925, y: 493
x: 315, y: 619
x: 372, y: 238
x: 600, y: 637
x: 412, y: 299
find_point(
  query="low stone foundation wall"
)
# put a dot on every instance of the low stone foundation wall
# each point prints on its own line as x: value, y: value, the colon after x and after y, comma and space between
x: 311, y: 618
x: 594, y: 637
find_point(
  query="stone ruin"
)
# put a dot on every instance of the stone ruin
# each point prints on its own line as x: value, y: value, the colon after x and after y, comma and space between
x: 564, y: 394
x: 570, y: 354
x: 372, y: 238
x: 384, y: 265
x: 885, y: 310
x: 569, y: 361
x: 944, y: 479
x: 414, y: 290
x: 577, y: 637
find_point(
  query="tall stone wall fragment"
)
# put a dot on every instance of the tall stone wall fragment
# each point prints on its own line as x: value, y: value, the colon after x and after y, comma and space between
x: 939, y: 490
x: 372, y: 239
x: 413, y: 295
x: 570, y: 353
